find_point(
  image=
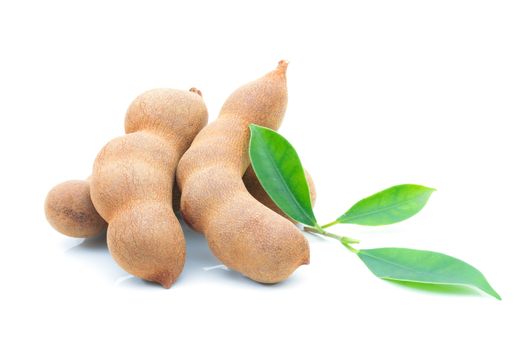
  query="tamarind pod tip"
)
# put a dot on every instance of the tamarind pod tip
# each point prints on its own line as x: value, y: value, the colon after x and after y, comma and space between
x: 282, y: 66
x: 167, y: 283
x: 196, y: 91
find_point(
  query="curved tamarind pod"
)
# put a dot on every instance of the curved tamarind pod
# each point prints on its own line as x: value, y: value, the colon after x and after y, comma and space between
x: 241, y: 232
x: 132, y: 183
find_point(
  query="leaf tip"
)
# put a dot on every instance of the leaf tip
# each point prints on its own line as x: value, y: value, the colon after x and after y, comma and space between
x: 494, y: 294
x: 430, y: 189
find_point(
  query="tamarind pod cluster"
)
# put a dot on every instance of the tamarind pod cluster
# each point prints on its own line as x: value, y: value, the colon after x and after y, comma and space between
x: 70, y: 211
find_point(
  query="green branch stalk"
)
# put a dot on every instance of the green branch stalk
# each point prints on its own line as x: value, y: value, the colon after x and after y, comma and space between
x: 332, y: 223
x: 346, y: 241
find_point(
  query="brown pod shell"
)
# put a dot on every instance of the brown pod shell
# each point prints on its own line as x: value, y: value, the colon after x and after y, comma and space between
x: 241, y: 232
x: 69, y: 209
x: 132, y: 183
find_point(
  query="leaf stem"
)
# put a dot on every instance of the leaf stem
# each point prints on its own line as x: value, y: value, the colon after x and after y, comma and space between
x: 330, y: 224
x: 347, y: 244
x: 346, y: 241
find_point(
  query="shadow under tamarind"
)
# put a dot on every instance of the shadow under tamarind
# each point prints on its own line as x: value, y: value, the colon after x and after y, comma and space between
x: 200, y: 265
x: 94, y: 254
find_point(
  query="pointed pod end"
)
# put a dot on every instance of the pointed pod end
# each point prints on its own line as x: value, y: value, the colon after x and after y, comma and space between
x: 166, y: 280
x: 167, y: 283
x: 282, y: 66
x: 196, y: 91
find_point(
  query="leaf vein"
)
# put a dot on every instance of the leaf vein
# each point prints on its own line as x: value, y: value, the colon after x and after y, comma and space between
x: 287, y: 188
x: 368, y: 213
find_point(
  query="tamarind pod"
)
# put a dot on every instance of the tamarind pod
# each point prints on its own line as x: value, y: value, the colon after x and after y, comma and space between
x: 241, y: 232
x: 69, y: 209
x: 132, y: 183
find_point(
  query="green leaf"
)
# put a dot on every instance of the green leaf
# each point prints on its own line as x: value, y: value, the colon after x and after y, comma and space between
x: 278, y: 168
x: 392, y: 205
x: 422, y: 266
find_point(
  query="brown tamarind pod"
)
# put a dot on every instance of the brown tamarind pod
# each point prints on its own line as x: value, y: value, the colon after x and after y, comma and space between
x: 241, y: 232
x: 69, y: 209
x: 132, y: 183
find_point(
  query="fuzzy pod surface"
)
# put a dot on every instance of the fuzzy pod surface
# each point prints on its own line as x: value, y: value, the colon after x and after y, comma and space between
x: 132, y: 183
x: 69, y: 209
x: 241, y: 232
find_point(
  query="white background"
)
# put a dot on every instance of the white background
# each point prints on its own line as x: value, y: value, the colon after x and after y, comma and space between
x: 380, y: 93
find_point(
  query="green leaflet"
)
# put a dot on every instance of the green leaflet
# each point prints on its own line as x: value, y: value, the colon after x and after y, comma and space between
x: 392, y: 205
x: 280, y: 172
x: 421, y: 266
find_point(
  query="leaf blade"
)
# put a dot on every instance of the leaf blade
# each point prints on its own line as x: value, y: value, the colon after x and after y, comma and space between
x: 280, y: 172
x: 389, y: 206
x: 422, y: 266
